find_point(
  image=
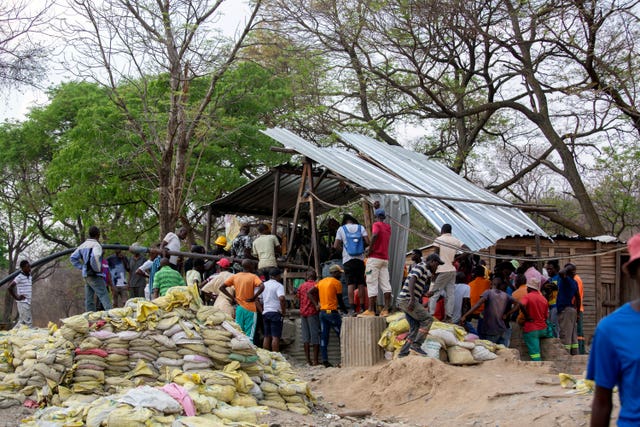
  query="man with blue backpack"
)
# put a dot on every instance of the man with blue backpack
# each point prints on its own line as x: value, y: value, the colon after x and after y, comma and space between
x: 352, y: 239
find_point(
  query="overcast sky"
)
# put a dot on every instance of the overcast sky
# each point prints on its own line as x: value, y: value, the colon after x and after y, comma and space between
x: 16, y: 102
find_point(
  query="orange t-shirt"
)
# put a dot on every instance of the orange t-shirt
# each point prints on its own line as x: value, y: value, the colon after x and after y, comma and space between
x: 244, y: 285
x: 328, y: 290
x: 578, y: 280
x: 519, y: 293
x: 478, y: 286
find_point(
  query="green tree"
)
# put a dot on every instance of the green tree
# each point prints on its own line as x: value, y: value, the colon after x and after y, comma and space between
x: 617, y: 192
x: 125, y: 45
x: 89, y: 167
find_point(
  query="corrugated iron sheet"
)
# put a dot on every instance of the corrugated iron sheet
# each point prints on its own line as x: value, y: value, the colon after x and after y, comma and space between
x: 478, y: 225
x: 256, y: 197
x: 396, y: 169
x: 342, y: 162
x: 359, y: 341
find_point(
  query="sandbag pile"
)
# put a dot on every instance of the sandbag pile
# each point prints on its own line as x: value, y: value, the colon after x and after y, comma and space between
x: 447, y: 342
x: 84, y: 368
x: 38, y: 363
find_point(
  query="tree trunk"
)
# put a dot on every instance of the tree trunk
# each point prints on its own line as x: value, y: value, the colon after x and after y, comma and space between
x: 539, y: 114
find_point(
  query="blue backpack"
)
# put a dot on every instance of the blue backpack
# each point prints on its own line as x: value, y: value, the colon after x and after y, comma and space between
x: 353, y: 242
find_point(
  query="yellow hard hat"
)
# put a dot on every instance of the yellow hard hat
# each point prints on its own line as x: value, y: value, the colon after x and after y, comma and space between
x: 221, y: 241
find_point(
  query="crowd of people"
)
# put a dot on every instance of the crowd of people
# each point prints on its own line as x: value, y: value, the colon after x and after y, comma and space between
x: 231, y: 283
x: 449, y: 284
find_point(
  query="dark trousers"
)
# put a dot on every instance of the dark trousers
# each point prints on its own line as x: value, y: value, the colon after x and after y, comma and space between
x: 328, y: 321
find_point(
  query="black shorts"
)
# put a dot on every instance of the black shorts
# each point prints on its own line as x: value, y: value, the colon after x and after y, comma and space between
x: 272, y: 323
x: 354, y: 272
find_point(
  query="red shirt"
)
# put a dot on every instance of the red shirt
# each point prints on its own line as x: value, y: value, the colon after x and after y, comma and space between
x: 306, y: 305
x: 380, y: 248
x: 538, y: 309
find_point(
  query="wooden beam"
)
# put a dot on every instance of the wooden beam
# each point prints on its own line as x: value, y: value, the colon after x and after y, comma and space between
x: 312, y: 220
x: 276, y: 198
x: 207, y: 228
x: 283, y: 150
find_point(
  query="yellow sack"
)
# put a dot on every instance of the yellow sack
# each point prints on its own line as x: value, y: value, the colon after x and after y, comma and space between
x: 459, y: 331
x: 208, y: 420
x: 52, y: 327
x: 278, y: 404
x: 298, y: 408
x: 460, y: 356
x: 144, y: 309
x: 141, y: 369
x: 243, y: 399
x: 240, y: 414
x: 99, y: 412
x: 162, y: 302
x: 77, y: 323
x: 395, y: 317
x: 127, y: 416
x: 223, y: 393
x: 399, y: 326
x: 178, y: 296
x: 87, y: 387
x: 204, y: 404
x: 567, y: 380
x: 183, y: 378
x: 585, y: 386
x: 387, y: 340
x: 205, y: 312
x: 120, y: 312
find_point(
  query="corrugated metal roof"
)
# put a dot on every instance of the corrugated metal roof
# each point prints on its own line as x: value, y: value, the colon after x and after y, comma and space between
x: 398, y: 170
x: 256, y: 197
x: 478, y: 225
x: 342, y: 162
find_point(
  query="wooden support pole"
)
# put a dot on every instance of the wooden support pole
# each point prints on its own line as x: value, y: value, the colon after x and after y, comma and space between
x: 207, y: 229
x: 366, y: 213
x: 276, y: 198
x: 312, y: 220
x: 296, y: 211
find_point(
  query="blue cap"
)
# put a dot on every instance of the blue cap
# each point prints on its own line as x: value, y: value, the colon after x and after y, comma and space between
x: 379, y: 212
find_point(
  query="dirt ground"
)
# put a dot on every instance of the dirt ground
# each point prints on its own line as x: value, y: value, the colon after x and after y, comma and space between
x: 417, y: 391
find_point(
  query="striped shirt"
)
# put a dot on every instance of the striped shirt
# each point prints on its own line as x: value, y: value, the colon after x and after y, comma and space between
x: 167, y: 278
x: 422, y: 276
x: 23, y: 286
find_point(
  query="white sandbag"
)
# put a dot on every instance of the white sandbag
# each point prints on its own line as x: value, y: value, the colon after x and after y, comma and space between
x: 448, y: 337
x: 153, y: 398
x: 432, y: 348
x: 466, y: 344
x: 241, y: 343
x: 482, y: 353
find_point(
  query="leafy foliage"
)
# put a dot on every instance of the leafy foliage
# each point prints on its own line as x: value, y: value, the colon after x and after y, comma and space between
x: 92, y: 168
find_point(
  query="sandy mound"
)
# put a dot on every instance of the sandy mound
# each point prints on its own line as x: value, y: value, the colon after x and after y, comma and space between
x: 502, y: 392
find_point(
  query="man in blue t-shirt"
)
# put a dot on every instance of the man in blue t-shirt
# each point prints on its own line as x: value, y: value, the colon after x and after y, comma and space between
x: 568, y: 304
x: 614, y: 360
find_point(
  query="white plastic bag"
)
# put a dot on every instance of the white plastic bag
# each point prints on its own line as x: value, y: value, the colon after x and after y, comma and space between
x: 153, y: 398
